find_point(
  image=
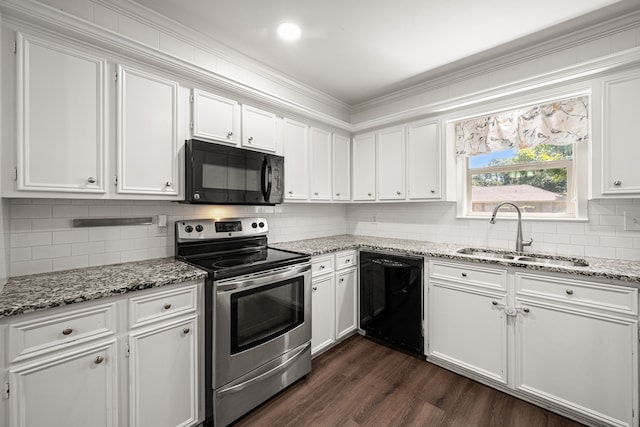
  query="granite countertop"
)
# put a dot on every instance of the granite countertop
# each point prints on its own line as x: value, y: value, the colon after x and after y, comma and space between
x: 24, y: 294
x: 612, y: 269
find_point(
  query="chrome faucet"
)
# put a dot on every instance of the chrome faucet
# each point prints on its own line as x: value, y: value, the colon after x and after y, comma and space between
x: 519, y: 243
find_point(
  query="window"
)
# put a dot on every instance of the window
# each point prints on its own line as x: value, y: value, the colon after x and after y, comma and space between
x: 525, y: 156
x: 539, y: 180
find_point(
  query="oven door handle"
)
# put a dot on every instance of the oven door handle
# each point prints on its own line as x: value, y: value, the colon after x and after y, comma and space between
x: 260, y: 279
x: 234, y: 388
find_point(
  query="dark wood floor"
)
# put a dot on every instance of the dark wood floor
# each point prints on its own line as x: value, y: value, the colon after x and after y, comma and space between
x: 362, y: 383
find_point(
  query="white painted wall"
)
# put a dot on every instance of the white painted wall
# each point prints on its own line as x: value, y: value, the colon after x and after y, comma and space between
x: 41, y: 238
x: 602, y: 236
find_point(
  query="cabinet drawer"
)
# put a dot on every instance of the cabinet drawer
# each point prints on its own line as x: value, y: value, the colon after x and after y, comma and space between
x: 604, y: 296
x: 321, y: 265
x: 162, y: 305
x: 472, y: 275
x: 346, y: 259
x: 48, y: 333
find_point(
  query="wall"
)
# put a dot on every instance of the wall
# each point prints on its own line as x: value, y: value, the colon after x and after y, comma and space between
x: 603, y: 236
x: 42, y: 239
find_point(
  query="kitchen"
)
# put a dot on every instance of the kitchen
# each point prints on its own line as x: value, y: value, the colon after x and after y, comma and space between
x: 37, y: 231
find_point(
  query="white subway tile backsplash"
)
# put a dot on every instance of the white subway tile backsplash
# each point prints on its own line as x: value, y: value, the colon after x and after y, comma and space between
x: 22, y: 268
x: 24, y: 211
x: 104, y: 259
x: 20, y: 225
x: 19, y: 240
x: 50, y: 224
x: 68, y: 263
x: 51, y: 251
x: 616, y: 242
x: 70, y: 211
x: 87, y: 248
x: 20, y: 254
x: 71, y: 236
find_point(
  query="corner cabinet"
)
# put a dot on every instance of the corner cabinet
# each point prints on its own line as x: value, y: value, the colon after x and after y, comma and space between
x: 619, y: 174
x: 566, y: 343
x: 147, y: 134
x: 60, y: 118
x: 334, y: 299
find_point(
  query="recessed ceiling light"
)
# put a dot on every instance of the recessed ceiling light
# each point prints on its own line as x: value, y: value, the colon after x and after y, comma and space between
x: 289, y: 31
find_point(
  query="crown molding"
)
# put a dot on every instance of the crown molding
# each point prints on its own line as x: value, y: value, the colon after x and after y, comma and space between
x: 39, y: 18
x: 571, y: 74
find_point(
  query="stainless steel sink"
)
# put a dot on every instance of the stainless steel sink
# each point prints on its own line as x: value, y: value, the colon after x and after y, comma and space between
x: 524, y: 257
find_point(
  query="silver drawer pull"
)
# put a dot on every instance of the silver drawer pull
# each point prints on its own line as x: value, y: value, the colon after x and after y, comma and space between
x: 617, y: 183
x: 569, y: 292
x: 186, y: 331
x: 91, y: 180
x: 98, y: 360
x: 526, y: 310
x: 464, y: 274
x: 167, y: 306
x: 67, y: 331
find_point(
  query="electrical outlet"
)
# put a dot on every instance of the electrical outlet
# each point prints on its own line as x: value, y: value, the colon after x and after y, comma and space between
x: 632, y: 221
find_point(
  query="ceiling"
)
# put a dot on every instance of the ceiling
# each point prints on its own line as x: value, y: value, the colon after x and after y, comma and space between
x: 357, y: 50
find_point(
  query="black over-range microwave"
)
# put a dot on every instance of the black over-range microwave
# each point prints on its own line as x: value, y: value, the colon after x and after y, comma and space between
x: 222, y: 175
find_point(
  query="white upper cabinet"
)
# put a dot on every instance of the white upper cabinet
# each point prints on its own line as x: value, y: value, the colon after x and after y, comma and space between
x: 260, y: 129
x: 296, y: 157
x: 61, y: 118
x: 215, y: 118
x: 341, y: 168
x: 363, y: 169
x: 423, y: 161
x: 619, y: 154
x: 320, y: 162
x: 391, y: 164
x: 147, y: 158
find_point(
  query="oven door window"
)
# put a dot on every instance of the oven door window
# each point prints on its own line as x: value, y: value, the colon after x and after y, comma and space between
x: 261, y: 314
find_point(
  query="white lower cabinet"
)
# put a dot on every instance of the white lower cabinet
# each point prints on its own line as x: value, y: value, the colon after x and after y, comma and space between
x: 334, y: 299
x: 77, y: 388
x: 570, y: 344
x: 68, y: 366
x: 163, y: 377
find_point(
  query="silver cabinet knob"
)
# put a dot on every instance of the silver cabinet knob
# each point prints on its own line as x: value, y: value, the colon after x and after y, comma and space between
x: 196, y: 196
x: 250, y: 139
x: 168, y: 184
x: 338, y: 194
x: 186, y: 331
x: 91, y: 180
x: 315, y: 194
x: 368, y: 194
x: 398, y: 193
x: 315, y: 288
x: 229, y: 134
x: 464, y: 274
x: 67, y: 331
x: 526, y: 310
x: 167, y: 306
x: 98, y: 360
x: 617, y: 183
x: 341, y: 279
x: 569, y: 292
x: 322, y: 267
x: 290, y: 192
x: 433, y: 191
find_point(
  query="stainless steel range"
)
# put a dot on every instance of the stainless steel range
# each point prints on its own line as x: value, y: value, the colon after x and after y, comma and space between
x: 257, y: 313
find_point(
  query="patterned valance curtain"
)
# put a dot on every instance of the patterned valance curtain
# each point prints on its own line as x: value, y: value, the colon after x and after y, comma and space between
x: 557, y: 123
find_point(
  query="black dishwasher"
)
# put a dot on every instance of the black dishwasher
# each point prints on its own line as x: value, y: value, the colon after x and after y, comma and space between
x: 391, y: 299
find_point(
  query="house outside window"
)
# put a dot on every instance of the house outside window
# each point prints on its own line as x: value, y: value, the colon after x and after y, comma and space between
x: 525, y: 156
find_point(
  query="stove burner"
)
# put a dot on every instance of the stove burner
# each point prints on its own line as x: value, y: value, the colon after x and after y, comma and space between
x: 230, y: 262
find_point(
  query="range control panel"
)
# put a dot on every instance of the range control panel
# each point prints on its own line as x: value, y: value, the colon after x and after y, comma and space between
x: 212, y: 229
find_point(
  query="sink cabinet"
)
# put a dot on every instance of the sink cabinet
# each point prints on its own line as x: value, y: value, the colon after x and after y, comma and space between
x: 569, y: 344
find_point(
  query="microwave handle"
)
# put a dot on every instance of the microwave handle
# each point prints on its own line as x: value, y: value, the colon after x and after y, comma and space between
x: 266, y: 178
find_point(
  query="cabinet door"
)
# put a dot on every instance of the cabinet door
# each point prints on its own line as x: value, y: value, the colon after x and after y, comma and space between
x: 296, y: 157
x: 74, y: 389
x: 391, y: 164
x: 346, y: 300
x: 341, y: 168
x: 363, y: 172
x: 147, y: 134
x: 468, y: 330
x: 423, y: 161
x: 587, y: 362
x: 61, y: 124
x: 619, y: 155
x: 259, y: 129
x: 215, y: 118
x: 320, y: 161
x: 322, y: 313
x: 163, y: 375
